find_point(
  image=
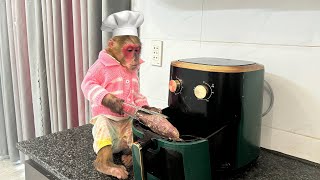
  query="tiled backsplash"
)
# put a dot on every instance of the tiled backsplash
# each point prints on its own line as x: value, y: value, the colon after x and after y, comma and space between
x: 283, y: 36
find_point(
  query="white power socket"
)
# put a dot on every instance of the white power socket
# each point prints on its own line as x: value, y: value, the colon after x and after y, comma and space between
x: 156, y: 53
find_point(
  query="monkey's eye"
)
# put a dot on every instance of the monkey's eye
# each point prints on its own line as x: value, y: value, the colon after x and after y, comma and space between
x: 130, y: 50
x: 137, y: 50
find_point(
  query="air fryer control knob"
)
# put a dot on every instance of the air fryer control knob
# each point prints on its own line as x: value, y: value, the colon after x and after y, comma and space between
x: 201, y: 91
x: 174, y: 86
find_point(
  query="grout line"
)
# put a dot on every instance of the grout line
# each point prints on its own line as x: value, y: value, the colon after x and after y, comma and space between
x: 227, y: 42
x: 201, y: 24
x: 292, y: 132
x: 263, y: 44
x: 168, y: 39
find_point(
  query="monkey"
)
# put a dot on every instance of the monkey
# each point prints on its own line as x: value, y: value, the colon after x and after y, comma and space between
x: 109, y: 82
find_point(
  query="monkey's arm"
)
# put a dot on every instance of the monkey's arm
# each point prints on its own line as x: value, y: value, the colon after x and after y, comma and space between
x: 140, y: 100
x: 94, y: 91
x: 91, y: 85
x: 114, y: 103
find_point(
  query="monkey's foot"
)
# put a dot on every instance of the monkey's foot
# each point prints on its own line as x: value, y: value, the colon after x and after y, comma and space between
x: 117, y: 171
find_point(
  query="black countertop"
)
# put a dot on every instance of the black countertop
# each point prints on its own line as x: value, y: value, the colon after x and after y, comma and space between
x: 69, y: 155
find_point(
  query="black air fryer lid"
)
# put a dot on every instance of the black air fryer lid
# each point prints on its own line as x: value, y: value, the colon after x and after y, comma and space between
x: 217, y: 65
x: 217, y: 61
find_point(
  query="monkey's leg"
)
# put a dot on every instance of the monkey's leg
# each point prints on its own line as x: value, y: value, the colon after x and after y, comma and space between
x: 102, y: 133
x: 104, y: 164
x: 126, y: 139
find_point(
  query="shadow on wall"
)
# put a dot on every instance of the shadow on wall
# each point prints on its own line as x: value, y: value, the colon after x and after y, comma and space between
x: 294, y: 108
x: 267, y: 119
x: 246, y: 4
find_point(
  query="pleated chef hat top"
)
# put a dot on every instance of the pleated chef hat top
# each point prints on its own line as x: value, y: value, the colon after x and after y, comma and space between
x: 123, y: 23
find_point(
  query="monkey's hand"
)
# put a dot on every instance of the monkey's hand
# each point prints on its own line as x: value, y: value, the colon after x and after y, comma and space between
x: 114, y: 103
x: 153, y: 109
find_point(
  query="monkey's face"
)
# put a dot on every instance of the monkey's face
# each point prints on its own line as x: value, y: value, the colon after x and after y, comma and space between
x: 131, y: 56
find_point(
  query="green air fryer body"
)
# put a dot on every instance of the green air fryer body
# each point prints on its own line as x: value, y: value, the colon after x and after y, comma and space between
x: 216, y: 105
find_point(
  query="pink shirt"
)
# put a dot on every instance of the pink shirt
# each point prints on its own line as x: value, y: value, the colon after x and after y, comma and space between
x: 105, y: 76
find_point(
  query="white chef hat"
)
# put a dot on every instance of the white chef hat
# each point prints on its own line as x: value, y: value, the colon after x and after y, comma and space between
x: 123, y: 23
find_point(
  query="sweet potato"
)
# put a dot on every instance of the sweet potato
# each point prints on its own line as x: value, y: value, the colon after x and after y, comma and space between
x: 159, y: 125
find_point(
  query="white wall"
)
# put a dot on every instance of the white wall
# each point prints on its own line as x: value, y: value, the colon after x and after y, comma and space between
x: 284, y: 36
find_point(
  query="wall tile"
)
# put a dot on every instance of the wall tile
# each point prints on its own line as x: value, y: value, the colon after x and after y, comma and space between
x: 290, y: 28
x: 292, y: 144
x: 262, y: 22
x: 228, y: 50
x: 231, y: 25
x: 171, y: 19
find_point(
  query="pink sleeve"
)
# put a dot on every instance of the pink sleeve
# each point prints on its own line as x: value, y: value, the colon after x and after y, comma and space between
x: 91, y: 85
x: 139, y: 99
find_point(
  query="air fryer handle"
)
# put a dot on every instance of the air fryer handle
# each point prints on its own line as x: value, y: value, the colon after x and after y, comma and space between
x: 138, y: 148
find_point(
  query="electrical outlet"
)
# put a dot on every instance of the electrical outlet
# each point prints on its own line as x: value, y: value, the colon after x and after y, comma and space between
x: 156, y: 53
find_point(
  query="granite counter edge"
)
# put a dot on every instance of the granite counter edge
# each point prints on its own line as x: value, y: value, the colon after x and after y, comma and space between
x: 41, y: 163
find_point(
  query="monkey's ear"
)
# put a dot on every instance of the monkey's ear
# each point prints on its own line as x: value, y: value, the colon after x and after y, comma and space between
x: 111, y: 43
